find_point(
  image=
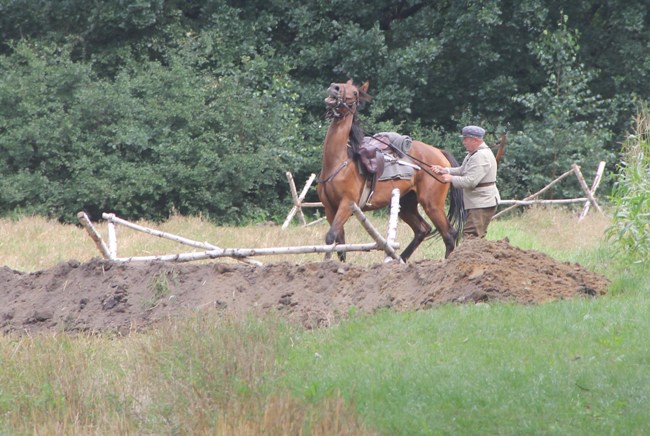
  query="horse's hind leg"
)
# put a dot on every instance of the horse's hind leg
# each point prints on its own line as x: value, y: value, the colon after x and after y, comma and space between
x: 410, y: 215
x: 440, y: 221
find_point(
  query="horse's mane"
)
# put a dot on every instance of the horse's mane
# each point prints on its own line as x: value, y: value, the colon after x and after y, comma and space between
x: 356, y: 135
x: 356, y: 132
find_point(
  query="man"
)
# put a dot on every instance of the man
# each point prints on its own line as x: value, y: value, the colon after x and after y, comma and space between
x: 477, y: 177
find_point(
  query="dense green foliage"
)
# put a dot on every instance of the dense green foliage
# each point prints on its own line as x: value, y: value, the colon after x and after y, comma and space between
x: 148, y: 107
x: 631, y: 195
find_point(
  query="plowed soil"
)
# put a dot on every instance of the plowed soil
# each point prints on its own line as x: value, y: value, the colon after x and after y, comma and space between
x: 103, y: 296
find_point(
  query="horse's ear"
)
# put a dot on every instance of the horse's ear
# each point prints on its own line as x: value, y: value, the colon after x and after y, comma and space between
x: 364, y: 87
x: 349, y: 82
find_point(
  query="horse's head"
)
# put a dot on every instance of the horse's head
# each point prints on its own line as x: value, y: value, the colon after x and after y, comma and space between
x: 344, y: 98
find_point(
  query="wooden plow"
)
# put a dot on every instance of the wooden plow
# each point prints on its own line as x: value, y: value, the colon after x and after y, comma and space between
x: 109, y: 250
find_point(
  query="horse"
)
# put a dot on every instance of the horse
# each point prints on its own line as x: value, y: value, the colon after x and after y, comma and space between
x: 341, y: 181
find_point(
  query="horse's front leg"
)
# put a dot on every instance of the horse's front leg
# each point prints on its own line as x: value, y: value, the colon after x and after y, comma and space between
x: 340, y: 240
x: 336, y: 233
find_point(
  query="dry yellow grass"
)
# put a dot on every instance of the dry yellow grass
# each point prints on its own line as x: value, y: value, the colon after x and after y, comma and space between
x: 35, y: 243
x: 204, y: 375
x: 557, y: 229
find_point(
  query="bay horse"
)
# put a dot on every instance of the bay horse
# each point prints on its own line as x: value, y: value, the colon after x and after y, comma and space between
x: 341, y: 182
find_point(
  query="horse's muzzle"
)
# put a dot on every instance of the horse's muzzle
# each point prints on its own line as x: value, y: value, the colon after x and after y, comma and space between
x: 331, y: 101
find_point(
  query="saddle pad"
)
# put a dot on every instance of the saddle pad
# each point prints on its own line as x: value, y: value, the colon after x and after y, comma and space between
x: 402, y: 143
x: 394, y: 170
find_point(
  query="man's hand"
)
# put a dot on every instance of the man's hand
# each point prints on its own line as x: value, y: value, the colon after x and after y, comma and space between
x: 442, y: 171
x: 438, y: 169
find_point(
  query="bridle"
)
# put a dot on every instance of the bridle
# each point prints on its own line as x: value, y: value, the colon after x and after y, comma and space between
x: 350, y: 107
x: 341, y: 102
x: 339, y: 110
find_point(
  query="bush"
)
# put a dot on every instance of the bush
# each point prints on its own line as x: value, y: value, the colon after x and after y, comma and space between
x: 154, y: 140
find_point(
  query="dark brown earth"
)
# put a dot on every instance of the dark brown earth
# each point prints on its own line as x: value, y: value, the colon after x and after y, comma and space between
x: 103, y: 296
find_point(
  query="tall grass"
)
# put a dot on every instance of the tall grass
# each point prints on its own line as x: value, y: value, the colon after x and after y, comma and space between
x: 630, y: 229
x: 35, y: 243
x: 201, y: 375
x: 576, y: 367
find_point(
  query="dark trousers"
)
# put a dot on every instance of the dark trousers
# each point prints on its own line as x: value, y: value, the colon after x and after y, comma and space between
x: 478, y: 221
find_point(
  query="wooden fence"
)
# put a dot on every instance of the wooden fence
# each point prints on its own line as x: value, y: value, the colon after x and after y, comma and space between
x: 588, y: 200
x: 109, y: 250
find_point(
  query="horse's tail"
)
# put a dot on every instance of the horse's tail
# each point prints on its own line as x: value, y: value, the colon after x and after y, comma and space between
x: 457, y: 213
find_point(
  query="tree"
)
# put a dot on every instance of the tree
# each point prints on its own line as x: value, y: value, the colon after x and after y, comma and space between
x: 565, y: 122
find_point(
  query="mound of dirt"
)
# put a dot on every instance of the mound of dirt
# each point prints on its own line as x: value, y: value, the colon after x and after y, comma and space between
x: 105, y: 296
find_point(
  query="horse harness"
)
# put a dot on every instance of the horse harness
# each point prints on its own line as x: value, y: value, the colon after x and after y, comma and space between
x: 350, y: 109
x: 341, y: 102
x: 334, y: 112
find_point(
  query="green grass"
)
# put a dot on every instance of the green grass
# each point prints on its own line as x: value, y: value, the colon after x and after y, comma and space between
x: 567, y: 367
x: 571, y: 367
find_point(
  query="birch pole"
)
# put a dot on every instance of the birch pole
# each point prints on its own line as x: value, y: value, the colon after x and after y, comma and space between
x: 94, y: 235
x: 594, y: 186
x: 541, y: 191
x: 297, y: 200
x: 558, y: 201
x: 246, y: 252
x: 391, y: 234
x: 584, y: 187
x: 112, y: 238
x: 296, y: 203
x: 181, y: 240
x: 381, y: 242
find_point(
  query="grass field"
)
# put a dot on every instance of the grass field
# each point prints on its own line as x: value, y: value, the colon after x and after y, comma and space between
x: 567, y: 367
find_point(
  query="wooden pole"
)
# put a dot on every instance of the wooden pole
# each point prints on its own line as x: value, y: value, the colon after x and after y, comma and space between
x: 296, y: 203
x: 316, y: 221
x: 558, y: 201
x: 112, y: 239
x: 297, y: 200
x: 94, y: 235
x: 391, y: 234
x: 380, y: 241
x: 239, y: 252
x: 112, y: 218
x: 584, y: 187
x: 594, y: 186
x: 541, y: 191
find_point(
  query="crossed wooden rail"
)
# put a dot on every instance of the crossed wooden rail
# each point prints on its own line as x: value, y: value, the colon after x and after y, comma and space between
x: 588, y: 200
x: 210, y: 251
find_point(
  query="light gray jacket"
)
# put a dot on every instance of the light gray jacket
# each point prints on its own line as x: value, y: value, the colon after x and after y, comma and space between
x: 477, y: 167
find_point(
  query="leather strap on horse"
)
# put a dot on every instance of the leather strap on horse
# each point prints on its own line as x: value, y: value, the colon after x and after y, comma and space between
x: 336, y: 171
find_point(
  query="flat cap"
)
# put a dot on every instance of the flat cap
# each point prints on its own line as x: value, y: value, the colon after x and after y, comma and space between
x: 473, y: 131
